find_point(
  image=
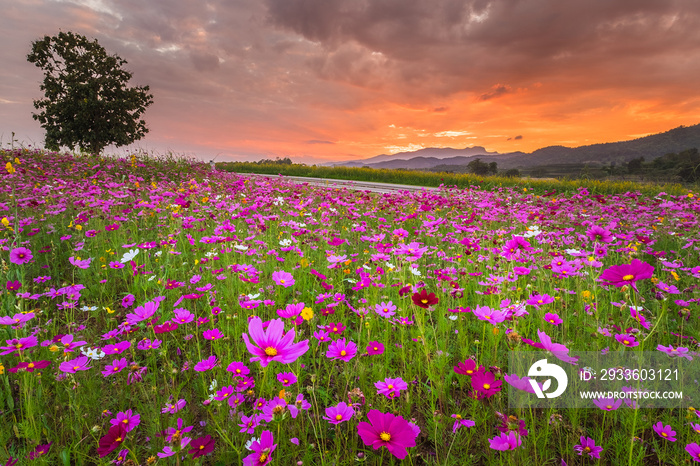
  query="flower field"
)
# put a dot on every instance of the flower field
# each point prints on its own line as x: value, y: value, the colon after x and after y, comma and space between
x: 155, y: 312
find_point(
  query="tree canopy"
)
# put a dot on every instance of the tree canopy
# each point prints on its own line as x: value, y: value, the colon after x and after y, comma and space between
x: 87, y: 102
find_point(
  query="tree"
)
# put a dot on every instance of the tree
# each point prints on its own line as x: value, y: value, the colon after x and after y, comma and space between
x: 87, y: 102
x: 478, y: 167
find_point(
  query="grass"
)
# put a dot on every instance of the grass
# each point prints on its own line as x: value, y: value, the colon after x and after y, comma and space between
x: 210, y: 243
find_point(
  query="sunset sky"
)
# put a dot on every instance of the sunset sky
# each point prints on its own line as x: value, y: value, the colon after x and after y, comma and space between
x: 322, y: 80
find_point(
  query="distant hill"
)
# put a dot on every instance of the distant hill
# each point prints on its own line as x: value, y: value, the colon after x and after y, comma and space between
x: 649, y: 147
x: 432, y: 152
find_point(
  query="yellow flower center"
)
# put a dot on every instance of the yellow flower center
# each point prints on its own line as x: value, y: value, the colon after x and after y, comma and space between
x: 487, y: 386
x: 282, y: 282
x: 375, y: 348
x: 277, y: 409
x: 386, y: 436
x: 424, y: 301
x: 343, y: 353
x: 262, y: 458
x: 338, y: 417
x: 664, y: 434
x: 609, y: 406
x: 628, y: 277
x: 270, y: 351
x: 390, y: 386
x: 30, y: 365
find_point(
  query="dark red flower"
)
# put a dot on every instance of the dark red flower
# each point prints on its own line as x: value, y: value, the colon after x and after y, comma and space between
x: 202, y: 446
x: 424, y: 300
x: 114, y: 438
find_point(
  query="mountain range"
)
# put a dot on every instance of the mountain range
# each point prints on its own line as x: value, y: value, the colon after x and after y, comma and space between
x: 649, y: 147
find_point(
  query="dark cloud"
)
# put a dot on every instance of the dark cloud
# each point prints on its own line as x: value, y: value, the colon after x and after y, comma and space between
x: 318, y: 141
x: 496, y: 91
x: 516, y: 138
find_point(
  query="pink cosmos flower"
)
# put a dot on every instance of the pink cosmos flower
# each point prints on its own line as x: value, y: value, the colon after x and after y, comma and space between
x: 375, y: 348
x: 206, y: 364
x: 283, y: 278
x: 238, y: 368
x: 273, y: 344
x: 118, y: 348
x: 627, y: 340
x: 291, y: 310
x: 13, y: 285
x: 20, y: 256
x: 693, y: 450
x: 30, y: 366
x: 538, y: 300
x: 521, y: 384
x: 249, y: 423
x: 665, y: 432
x: 173, y: 408
x: 627, y: 274
x: 213, y: 334
x: 459, y: 422
x: 680, y: 352
x: 553, y: 318
x: 339, y: 413
x: 385, y: 309
x: 588, y: 447
x: 115, y: 368
x: 391, y: 388
x: 557, y: 350
x: 489, y: 315
x: 599, y: 234
x: 142, y: 313
x: 74, y: 365
x: 81, y: 264
x: 287, y: 378
x: 40, y: 450
x: 387, y: 430
x: 17, y: 319
x: 18, y: 345
x: 341, y: 350
x: 486, y: 383
x: 504, y: 442
x: 262, y: 450
x: 129, y: 420
x: 468, y: 367
x: 608, y: 404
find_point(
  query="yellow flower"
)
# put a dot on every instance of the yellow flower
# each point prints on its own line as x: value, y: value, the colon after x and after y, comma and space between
x: 109, y: 311
x: 2, y: 369
x: 79, y: 227
x: 53, y: 348
x: 5, y: 222
x: 307, y: 313
x: 10, y: 169
x: 283, y: 393
x: 675, y: 276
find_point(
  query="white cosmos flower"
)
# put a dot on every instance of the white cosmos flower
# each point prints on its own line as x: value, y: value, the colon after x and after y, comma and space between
x: 152, y: 278
x: 128, y: 256
x: 249, y: 443
x: 415, y: 272
x: 93, y: 353
x: 241, y: 247
x: 213, y: 385
x: 285, y: 242
x: 86, y: 308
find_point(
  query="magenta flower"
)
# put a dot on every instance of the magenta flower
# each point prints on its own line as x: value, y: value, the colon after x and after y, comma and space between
x: 504, y: 442
x: 238, y: 368
x: 141, y: 313
x: 262, y: 450
x: 291, y: 310
x: 387, y: 430
x: 627, y: 340
x: 224, y: 392
x: 213, y: 334
x: 486, y: 383
x: 468, y: 367
x: 17, y: 319
x: 341, y: 350
x: 249, y: 423
x: 680, y: 352
x: 283, y: 278
x: 74, y: 365
x: 553, y: 318
x: 115, y: 368
x: 206, y: 364
x: 13, y: 285
x: 20, y: 256
x: 665, y: 432
x: 18, y: 345
x: 173, y: 408
x: 81, y: 264
x: 273, y: 344
x: 30, y: 366
x: 40, y: 450
x: 627, y: 274
x: 375, y: 348
x: 339, y: 413
x: 391, y: 388
x: 599, y: 234
x: 385, y: 309
x: 693, y: 450
x: 608, y: 404
x: 489, y: 315
x: 459, y: 422
x: 202, y: 446
x: 538, y: 300
x: 118, y: 348
x: 287, y: 378
x: 588, y: 447
x: 557, y: 350
x: 147, y: 344
x: 521, y: 384
x: 126, y: 418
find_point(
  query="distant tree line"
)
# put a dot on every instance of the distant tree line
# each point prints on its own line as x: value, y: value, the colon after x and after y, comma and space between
x: 684, y: 165
x: 277, y: 161
x: 477, y: 167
